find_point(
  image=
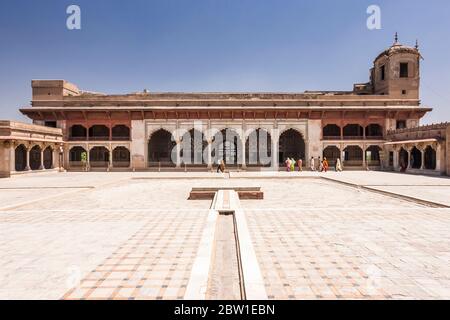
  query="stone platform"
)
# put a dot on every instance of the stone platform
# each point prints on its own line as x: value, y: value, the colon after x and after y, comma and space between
x: 136, y: 236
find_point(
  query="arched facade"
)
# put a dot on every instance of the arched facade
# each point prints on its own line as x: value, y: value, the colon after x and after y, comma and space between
x: 332, y: 153
x: 99, y: 132
x: 430, y: 158
x: 353, y: 156
x: 353, y: 131
x: 291, y: 145
x: 77, y: 132
x: 331, y: 132
x: 415, y: 158
x: 162, y: 149
x: 20, y: 158
x: 120, y: 132
x: 374, y: 131
x: 226, y: 146
x: 258, y: 148
x: 403, y: 159
x: 35, y: 158
x: 372, y: 156
x: 99, y: 157
x: 193, y: 146
x: 48, y: 158
x: 121, y: 157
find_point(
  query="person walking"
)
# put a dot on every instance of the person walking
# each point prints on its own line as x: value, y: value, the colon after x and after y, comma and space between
x: 325, y: 164
x: 219, y: 166
x: 292, y: 165
x: 300, y: 165
x: 320, y: 165
x: 84, y: 160
x: 312, y: 165
x: 338, y: 165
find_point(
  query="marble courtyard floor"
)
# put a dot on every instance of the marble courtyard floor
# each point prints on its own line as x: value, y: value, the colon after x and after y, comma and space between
x: 354, y: 235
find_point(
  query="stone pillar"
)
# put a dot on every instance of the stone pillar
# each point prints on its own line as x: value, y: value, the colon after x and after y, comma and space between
x: 244, y: 165
x: 422, y: 152
x: 438, y: 157
x: 88, y: 156
x: 55, y: 156
x: 396, y: 159
x: 110, y: 157
x: 178, y: 146
x: 41, y: 166
x: 364, y: 156
x: 12, y: 157
x: 312, y: 139
x: 275, y: 164
x: 139, y: 143
x: 409, y: 159
x: 5, y: 162
x: 27, y: 165
x: 209, y: 158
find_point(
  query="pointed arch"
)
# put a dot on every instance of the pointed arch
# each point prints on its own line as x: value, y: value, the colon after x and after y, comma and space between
x: 161, y: 149
x: 258, y: 148
x: 291, y: 144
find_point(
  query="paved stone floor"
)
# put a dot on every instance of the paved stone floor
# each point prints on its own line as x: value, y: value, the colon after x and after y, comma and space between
x: 135, y: 235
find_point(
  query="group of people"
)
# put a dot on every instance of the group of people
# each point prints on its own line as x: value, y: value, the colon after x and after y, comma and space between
x: 291, y: 163
x: 323, y: 165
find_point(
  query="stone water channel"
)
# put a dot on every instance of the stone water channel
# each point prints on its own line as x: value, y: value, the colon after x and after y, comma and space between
x: 224, y: 270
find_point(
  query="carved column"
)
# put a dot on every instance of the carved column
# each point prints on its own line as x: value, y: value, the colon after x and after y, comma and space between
x: 275, y: 164
x: 27, y: 165
x: 110, y: 164
x: 88, y: 157
x: 178, y: 150
x: 12, y: 157
x: 209, y: 150
x: 41, y: 166
x: 409, y: 158
x: 244, y: 165
x: 364, y: 156
x: 422, y: 155
x: 437, y: 148
x: 395, y: 159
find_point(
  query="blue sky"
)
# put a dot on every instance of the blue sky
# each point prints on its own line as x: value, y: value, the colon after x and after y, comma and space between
x: 215, y: 45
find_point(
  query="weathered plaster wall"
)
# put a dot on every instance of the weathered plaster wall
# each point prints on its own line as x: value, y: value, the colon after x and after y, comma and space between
x: 314, y: 136
x: 5, y: 159
x: 138, y: 144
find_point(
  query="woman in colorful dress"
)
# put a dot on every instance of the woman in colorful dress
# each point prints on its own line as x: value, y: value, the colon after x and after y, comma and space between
x: 300, y: 165
x: 325, y: 164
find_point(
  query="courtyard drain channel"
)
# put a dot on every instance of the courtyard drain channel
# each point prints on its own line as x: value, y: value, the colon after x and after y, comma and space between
x: 226, y: 267
x: 225, y: 276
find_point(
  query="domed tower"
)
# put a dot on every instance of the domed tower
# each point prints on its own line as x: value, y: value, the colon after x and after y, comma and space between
x: 396, y: 72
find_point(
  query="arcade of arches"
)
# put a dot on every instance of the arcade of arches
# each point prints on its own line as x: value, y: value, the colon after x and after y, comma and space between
x: 414, y: 157
x: 353, y: 155
x: 99, y: 132
x: 32, y: 158
x: 226, y: 145
x: 99, y: 157
x: 352, y: 131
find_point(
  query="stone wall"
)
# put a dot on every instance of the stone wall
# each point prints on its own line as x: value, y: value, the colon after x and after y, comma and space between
x: 447, y: 151
x: 138, y: 144
x: 5, y: 161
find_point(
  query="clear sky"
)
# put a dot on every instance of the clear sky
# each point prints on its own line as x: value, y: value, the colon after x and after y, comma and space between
x: 216, y: 45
